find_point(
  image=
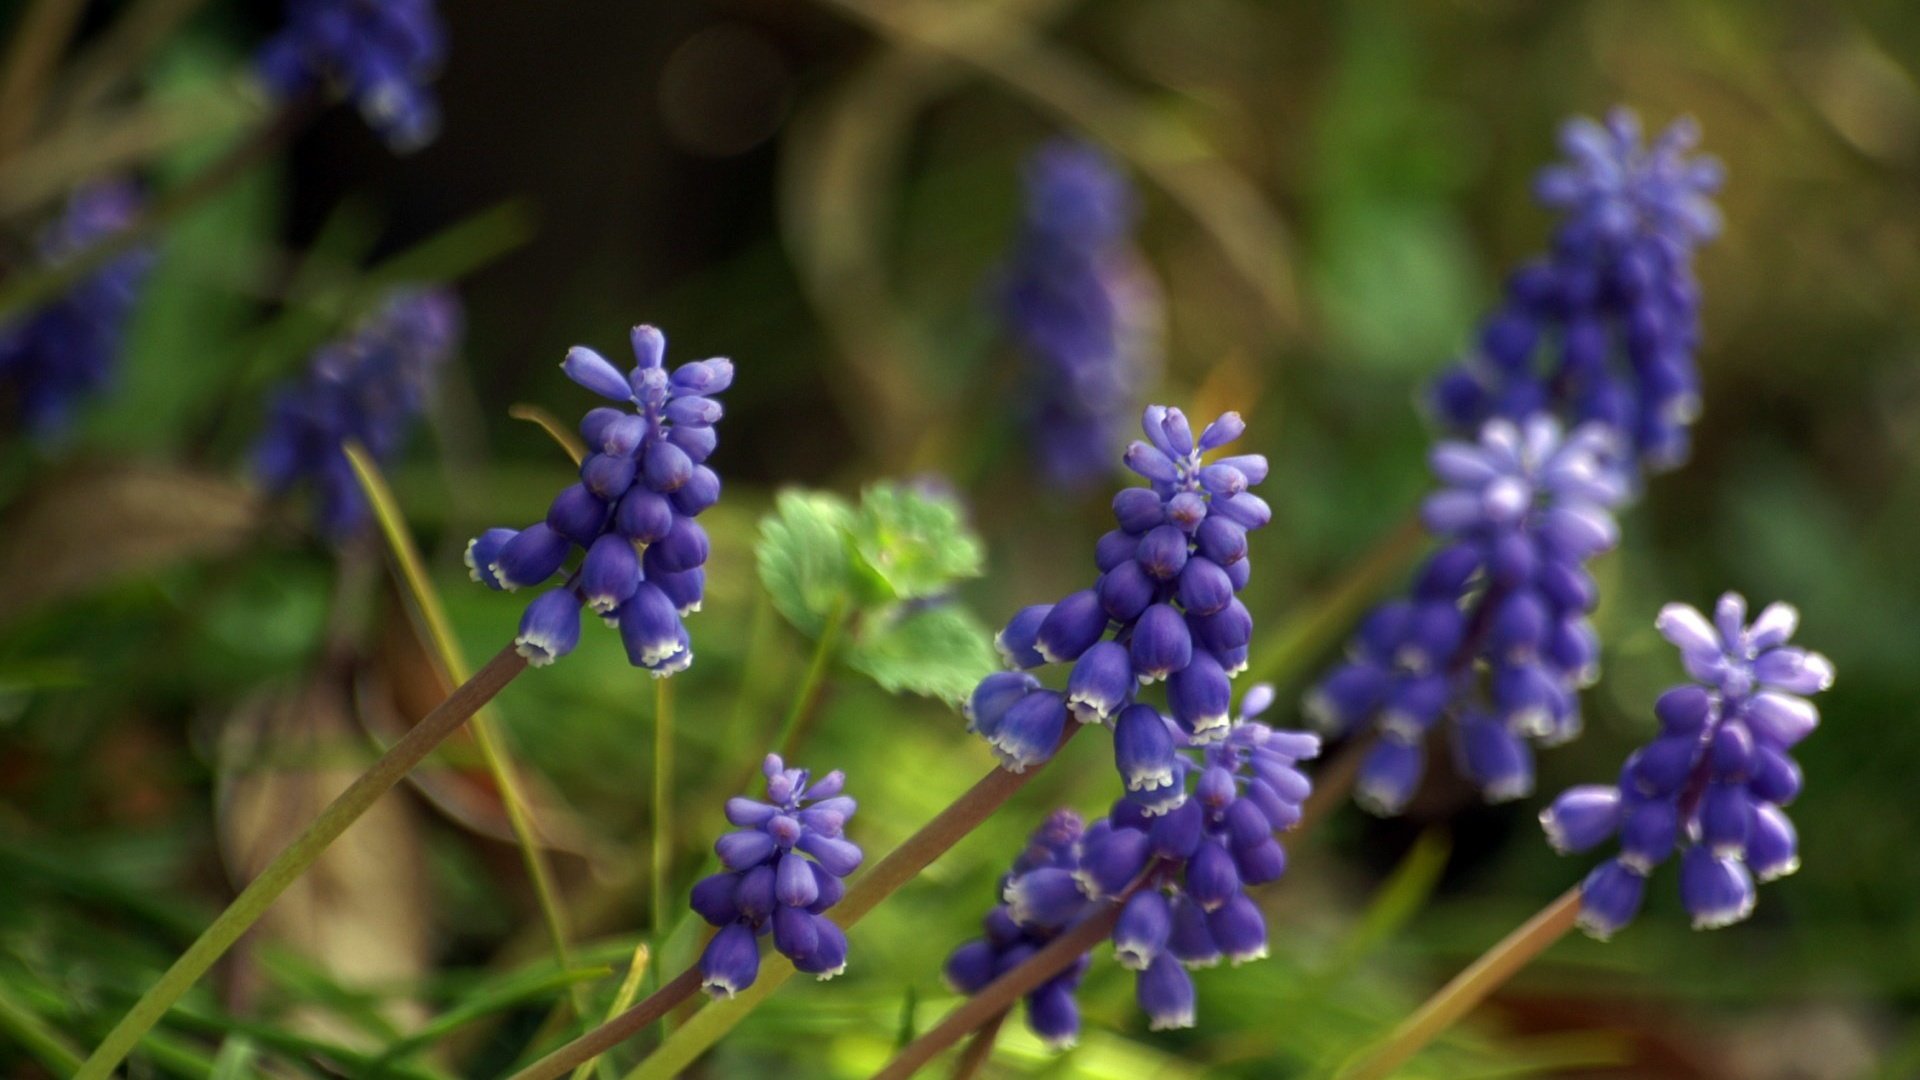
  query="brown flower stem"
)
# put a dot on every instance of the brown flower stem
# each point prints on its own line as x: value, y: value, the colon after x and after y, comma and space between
x: 1469, y: 988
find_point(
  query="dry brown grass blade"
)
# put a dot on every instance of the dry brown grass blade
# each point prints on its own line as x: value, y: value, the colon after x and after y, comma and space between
x: 361, y: 914
x: 97, y: 523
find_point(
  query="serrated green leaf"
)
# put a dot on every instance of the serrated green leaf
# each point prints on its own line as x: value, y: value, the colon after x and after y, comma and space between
x: 803, y: 556
x: 940, y: 652
x: 911, y: 544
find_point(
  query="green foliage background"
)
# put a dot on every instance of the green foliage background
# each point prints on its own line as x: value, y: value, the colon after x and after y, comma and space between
x: 805, y: 189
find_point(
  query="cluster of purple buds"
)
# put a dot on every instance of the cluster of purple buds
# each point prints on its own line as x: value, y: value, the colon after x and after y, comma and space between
x: 1188, y: 856
x: 1010, y: 939
x: 632, y: 513
x: 1604, y: 328
x: 1495, y: 632
x: 1080, y: 302
x: 1164, y: 608
x: 783, y: 871
x: 382, y: 55
x: 1179, y: 860
x: 1712, y: 785
x: 368, y: 387
x: 67, y: 349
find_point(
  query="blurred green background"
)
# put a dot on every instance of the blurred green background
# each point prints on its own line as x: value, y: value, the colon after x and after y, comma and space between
x: 1331, y: 193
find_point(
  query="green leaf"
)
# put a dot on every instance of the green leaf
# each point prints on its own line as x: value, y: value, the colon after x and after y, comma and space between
x: 940, y: 652
x: 911, y: 544
x: 803, y: 556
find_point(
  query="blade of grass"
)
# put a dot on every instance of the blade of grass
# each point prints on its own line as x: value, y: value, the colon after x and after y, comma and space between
x: 36, y: 1036
x: 629, y: 987
x: 286, y: 867
x: 412, y: 571
x: 29, y: 289
x: 479, y: 1006
x: 39, y: 40
x: 557, y: 431
x: 1172, y: 155
x: 121, y: 50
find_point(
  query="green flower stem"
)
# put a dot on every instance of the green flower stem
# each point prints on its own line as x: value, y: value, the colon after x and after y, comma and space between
x: 806, y: 702
x: 412, y: 571
x: 287, y: 866
x: 662, y: 812
x: 901, y: 865
x: 1469, y: 988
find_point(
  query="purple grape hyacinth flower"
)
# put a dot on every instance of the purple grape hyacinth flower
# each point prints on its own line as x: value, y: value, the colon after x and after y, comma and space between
x: 1495, y: 632
x: 1178, y: 857
x: 1603, y: 329
x: 1025, y: 922
x: 642, y: 483
x: 1166, y: 594
x: 382, y: 55
x: 1711, y: 786
x: 54, y: 355
x: 369, y: 386
x: 783, y: 871
x: 1082, y: 305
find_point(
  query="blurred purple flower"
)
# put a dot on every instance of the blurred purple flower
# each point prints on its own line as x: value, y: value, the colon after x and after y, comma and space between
x: 1495, y: 632
x: 382, y: 55
x: 368, y: 386
x: 54, y: 355
x: 1604, y: 328
x: 1080, y: 302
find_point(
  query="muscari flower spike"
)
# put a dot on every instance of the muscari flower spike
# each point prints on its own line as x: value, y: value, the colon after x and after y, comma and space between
x: 1495, y: 633
x: 783, y: 871
x: 1711, y: 786
x: 1603, y: 329
x: 382, y: 55
x: 57, y: 354
x: 1179, y: 860
x: 369, y: 386
x: 1079, y: 300
x: 1165, y: 607
x: 632, y: 513
x: 1051, y: 859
